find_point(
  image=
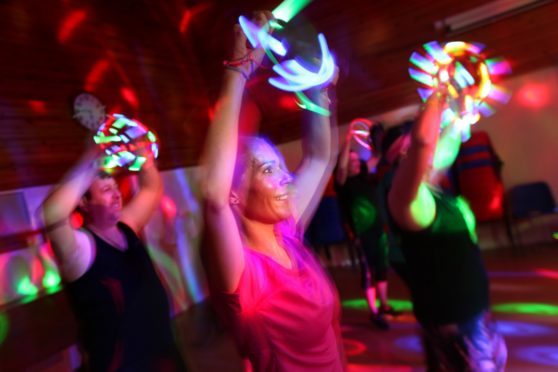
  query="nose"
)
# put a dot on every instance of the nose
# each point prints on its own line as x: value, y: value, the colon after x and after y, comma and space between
x: 286, y: 177
x: 116, y: 195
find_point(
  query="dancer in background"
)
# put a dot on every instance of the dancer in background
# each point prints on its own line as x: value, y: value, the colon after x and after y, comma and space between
x: 118, y: 299
x: 269, y: 289
x: 356, y: 186
x: 446, y: 276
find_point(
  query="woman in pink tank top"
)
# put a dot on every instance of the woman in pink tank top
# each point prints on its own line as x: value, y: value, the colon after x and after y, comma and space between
x: 267, y: 287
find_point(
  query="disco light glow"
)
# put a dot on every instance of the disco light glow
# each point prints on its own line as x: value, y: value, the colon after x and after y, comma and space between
x: 361, y: 304
x: 129, y: 96
x: 360, y: 132
x: 522, y: 329
x: 26, y: 288
x: 468, y: 76
x: 409, y: 343
x: 95, y: 74
x: 121, y: 138
x: 543, y: 355
x: 534, y: 95
x: 527, y: 308
x: 69, y: 24
x: 546, y: 273
x: 353, y: 347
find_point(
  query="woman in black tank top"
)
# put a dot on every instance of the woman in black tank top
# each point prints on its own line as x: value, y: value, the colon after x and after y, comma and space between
x: 446, y: 275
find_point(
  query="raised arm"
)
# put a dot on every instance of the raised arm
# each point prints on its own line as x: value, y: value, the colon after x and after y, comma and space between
x: 342, y: 170
x: 140, y: 209
x: 71, y: 247
x: 319, y: 144
x: 224, y: 246
x: 410, y: 202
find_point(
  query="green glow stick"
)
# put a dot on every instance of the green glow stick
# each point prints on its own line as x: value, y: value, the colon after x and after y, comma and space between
x: 289, y: 8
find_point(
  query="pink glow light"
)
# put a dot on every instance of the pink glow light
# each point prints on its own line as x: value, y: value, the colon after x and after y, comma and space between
x: 534, y: 95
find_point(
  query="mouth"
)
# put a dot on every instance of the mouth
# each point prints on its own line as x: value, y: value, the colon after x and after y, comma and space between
x: 282, y: 197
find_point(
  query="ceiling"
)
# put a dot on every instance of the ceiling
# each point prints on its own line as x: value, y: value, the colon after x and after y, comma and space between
x: 161, y: 62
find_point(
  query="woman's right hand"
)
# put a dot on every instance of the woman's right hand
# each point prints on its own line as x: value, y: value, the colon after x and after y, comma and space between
x: 244, y: 58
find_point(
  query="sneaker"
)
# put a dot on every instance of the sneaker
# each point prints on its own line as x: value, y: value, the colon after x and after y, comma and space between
x: 379, y: 321
x: 388, y: 310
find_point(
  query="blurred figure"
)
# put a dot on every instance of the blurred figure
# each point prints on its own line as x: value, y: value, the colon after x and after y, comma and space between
x: 120, y: 303
x: 356, y: 186
x: 446, y: 276
x: 268, y: 288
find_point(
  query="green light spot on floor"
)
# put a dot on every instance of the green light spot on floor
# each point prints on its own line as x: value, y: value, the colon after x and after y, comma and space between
x: 527, y: 308
x: 361, y: 304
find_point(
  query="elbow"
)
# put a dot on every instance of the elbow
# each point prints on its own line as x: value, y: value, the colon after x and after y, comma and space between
x: 51, y: 214
x: 214, y: 199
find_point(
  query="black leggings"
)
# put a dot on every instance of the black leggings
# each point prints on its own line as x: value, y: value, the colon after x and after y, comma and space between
x: 374, y: 257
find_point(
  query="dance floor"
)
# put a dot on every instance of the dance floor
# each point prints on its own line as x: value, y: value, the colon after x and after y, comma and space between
x: 524, y: 303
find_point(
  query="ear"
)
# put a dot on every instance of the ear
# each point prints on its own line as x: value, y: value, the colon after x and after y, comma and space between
x: 83, y: 204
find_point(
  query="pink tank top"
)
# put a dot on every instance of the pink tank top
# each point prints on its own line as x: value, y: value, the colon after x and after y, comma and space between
x: 285, y: 319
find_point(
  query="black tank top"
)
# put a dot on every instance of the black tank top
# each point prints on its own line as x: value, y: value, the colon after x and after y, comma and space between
x: 123, y: 311
x: 448, y: 281
x: 358, y: 201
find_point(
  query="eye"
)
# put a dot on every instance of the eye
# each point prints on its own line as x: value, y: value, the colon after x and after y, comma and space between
x: 268, y: 170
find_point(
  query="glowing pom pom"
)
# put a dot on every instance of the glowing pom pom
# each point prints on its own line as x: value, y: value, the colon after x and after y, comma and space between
x: 360, y: 132
x: 292, y: 75
x: 127, y: 143
x: 468, y: 76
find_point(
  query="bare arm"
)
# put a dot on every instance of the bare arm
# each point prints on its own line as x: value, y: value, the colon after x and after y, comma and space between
x: 410, y: 202
x: 72, y: 247
x: 138, y: 211
x: 224, y: 248
x: 342, y: 170
x: 319, y: 152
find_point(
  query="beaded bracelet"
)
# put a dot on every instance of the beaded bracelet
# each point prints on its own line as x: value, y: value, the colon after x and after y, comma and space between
x: 232, y: 68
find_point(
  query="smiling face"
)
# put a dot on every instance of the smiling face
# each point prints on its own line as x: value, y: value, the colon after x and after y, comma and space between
x: 103, y: 201
x: 264, y: 192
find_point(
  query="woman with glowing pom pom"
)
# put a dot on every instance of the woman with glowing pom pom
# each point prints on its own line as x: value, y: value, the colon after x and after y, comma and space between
x: 268, y: 288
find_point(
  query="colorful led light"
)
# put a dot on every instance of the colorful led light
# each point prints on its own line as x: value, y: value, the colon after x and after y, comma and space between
x: 120, y: 138
x: 360, y: 132
x: 460, y: 66
x: 293, y: 77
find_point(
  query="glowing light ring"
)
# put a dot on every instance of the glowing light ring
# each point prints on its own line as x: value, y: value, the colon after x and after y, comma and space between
x: 459, y: 65
x: 360, y: 132
x: 293, y: 77
x: 120, y: 138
